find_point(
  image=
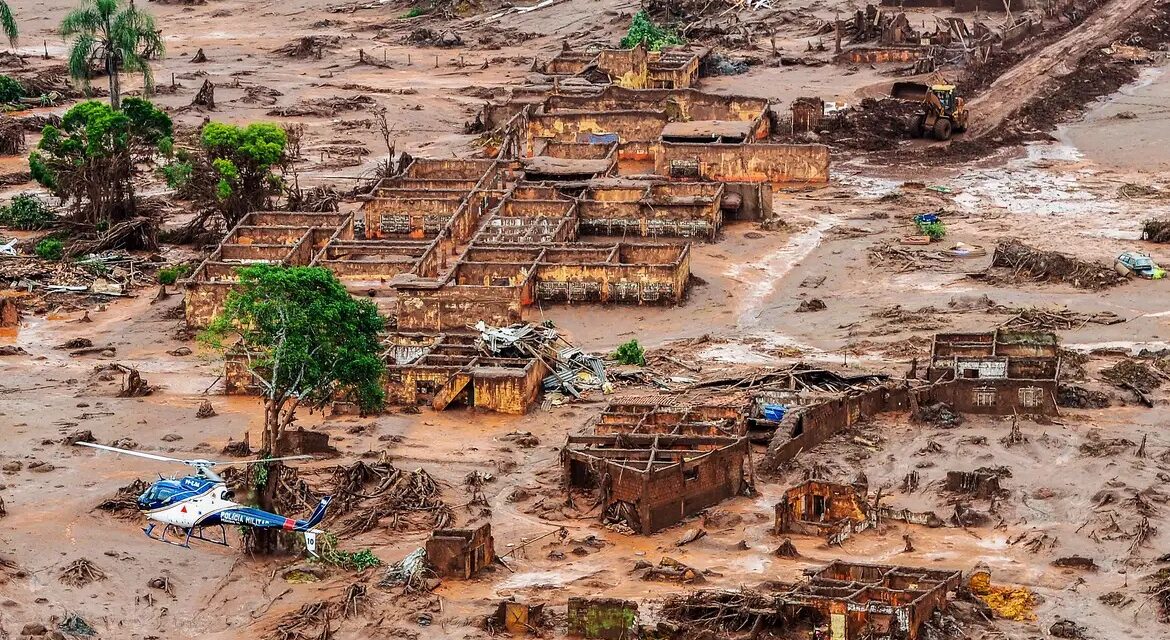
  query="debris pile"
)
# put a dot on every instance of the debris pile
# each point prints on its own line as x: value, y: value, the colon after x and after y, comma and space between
x: 1137, y: 377
x: 725, y: 610
x: 1078, y: 397
x: 572, y: 369
x: 1050, y: 266
x: 81, y: 572
x: 412, y: 573
x: 875, y: 125
x: 889, y: 254
x: 324, y: 107
x: 307, y: 46
x: 433, y: 38
x: 124, y: 503
x: 1156, y: 230
x: 316, y: 619
x: 1160, y: 590
x: 671, y: 570
x: 368, y: 493
x: 11, y: 136
x: 64, y: 282
x: 1057, y: 319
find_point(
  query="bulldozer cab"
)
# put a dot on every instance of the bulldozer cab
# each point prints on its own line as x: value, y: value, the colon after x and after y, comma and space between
x: 945, y: 93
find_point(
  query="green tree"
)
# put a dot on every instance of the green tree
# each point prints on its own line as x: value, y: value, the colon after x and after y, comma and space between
x: 240, y: 161
x: 307, y: 341
x: 89, y: 160
x: 8, y: 23
x: 11, y: 90
x: 644, y: 31
x: 114, y: 39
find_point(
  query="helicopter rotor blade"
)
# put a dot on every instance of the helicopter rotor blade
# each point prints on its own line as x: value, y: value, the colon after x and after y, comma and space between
x: 227, y: 462
x: 140, y: 454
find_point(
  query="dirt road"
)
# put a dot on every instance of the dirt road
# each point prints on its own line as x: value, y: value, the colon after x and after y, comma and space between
x: 1023, y: 83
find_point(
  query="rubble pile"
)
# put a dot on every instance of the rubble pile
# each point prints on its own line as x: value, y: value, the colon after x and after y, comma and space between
x: 324, y: 107
x: 72, y: 284
x: 81, y: 572
x: 1133, y: 375
x: 573, y: 370
x: 411, y: 572
x: 875, y: 125
x: 1051, y: 266
x: 317, y: 619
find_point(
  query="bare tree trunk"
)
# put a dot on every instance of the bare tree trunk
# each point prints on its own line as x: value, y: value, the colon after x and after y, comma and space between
x: 115, y: 86
x: 267, y: 541
x: 272, y: 408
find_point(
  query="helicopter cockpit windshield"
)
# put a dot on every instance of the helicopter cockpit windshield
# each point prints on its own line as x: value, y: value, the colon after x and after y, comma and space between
x: 159, y: 493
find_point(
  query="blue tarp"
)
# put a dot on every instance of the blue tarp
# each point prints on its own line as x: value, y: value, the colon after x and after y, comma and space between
x: 775, y: 412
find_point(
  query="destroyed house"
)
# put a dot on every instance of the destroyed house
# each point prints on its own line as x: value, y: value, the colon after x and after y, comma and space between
x: 461, y: 553
x: 836, y: 511
x: 817, y: 507
x: 636, y: 68
x: 448, y: 369
x: 260, y: 237
x: 998, y: 373
x: 850, y: 601
x: 681, y: 134
x: 666, y: 415
x: 874, y: 601
x: 650, y: 482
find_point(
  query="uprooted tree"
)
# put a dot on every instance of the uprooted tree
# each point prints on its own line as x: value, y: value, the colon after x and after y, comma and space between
x: 307, y: 342
x: 232, y: 171
x: 89, y: 160
x: 114, y: 39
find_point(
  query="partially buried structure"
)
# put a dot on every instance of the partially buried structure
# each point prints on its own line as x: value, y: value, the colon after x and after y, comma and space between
x: 592, y: 185
x: 846, y: 600
x: 652, y: 462
x: 998, y: 372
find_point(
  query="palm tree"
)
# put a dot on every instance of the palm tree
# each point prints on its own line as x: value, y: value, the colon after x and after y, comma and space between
x: 119, y: 39
x: 7, y: 23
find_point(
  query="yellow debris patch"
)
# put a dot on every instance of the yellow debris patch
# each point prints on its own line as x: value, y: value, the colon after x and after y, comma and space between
x: 1011, y: 603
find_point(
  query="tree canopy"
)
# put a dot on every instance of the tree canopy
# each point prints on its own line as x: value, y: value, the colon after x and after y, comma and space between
x: 306, y: 339
x: 242, y: 159
x: 89, y: 159
x: 115, y: 39
x: 644, y: 31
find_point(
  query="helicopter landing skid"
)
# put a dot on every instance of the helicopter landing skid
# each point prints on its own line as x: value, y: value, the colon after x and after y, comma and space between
x: 194, y: 533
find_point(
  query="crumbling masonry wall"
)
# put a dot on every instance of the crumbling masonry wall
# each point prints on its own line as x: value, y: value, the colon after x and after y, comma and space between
x: 775, y: 163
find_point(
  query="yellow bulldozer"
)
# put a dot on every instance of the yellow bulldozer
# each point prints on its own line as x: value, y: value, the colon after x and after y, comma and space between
x: 943, y: 111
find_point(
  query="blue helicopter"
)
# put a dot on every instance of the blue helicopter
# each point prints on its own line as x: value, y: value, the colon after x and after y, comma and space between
x: 188, y: 505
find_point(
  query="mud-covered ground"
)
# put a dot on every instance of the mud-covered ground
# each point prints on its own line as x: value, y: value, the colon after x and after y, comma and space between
x: 1064, y: 483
